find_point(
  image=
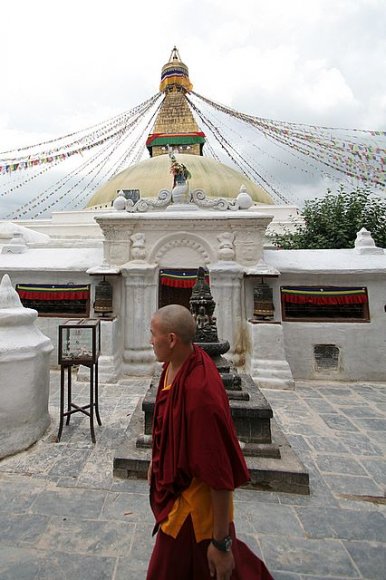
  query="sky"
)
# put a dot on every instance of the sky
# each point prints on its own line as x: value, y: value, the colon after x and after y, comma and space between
x: 69, y: 65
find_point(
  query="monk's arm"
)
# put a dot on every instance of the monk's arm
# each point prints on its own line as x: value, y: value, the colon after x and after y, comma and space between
x: 220, y: 563
x: 221, y: 502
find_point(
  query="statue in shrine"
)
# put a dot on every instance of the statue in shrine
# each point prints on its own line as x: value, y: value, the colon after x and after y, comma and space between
x: 180, y: 179
x: 202, y: 307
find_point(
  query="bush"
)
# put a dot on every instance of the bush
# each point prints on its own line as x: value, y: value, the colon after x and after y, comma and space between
x: 333, y: 222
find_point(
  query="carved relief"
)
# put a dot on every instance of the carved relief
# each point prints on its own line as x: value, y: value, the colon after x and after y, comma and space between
x: 181, y: 242
x: 116, y: 242
x: 138, y: 250
x: 226, y: 249
x: 114, y: 233
x: 200, y: 199
x: 163, y: 199
x: 248, y: 246
x: 248, y: 252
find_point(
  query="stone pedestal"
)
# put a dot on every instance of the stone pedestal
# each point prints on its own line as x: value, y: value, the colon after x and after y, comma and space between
x: 251, y: 414
x: 271, y: 462
x: 24, y: 374
x: 269, y: 366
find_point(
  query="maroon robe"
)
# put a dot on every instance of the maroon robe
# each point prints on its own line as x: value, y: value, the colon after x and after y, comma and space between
x: 194, y: 436
x: 184, y: 559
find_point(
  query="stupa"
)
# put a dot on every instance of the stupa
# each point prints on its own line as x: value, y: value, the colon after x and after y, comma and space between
x: 176, y: 128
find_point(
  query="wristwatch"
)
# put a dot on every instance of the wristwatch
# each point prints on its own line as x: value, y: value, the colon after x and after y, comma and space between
x: 224, y: 545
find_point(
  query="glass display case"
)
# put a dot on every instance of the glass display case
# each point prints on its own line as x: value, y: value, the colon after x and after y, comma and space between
x: 79, y: 342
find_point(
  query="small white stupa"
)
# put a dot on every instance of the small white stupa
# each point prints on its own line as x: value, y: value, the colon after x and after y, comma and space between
x: 364, y: 243
x: 24, y: 373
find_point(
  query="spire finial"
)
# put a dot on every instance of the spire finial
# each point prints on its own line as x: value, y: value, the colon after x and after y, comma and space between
x: 174, y: 55
x: 175, y: 74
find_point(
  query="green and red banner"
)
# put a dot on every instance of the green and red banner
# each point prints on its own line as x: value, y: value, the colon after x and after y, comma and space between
x: 179, y: 278
x: 53, y: 292
x: 191, y: 138
x: 324, y: 296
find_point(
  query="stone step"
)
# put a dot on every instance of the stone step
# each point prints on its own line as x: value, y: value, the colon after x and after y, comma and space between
x: 237, y: 396
x: 249, y: 449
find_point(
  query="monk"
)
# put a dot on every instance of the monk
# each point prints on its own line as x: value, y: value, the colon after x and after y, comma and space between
x: 196, y: 463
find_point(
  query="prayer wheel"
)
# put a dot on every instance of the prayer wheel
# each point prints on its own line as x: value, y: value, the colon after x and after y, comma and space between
x: 103, y: 298
x: 263, y: 308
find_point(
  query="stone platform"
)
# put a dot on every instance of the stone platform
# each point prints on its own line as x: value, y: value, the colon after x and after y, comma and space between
x: 274, y: 466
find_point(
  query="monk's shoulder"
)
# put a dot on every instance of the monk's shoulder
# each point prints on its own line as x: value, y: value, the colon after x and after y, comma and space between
x: 200, y: 381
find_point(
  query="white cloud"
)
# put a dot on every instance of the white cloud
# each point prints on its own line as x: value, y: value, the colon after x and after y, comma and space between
x: 69, y: 65
x: 321, y: 88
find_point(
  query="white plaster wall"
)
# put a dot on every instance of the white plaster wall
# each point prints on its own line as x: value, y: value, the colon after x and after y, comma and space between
x: 110, y: 337
x: 71, y: 224
x: 362, y: 345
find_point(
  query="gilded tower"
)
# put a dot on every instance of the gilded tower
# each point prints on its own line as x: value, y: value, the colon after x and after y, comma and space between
x: 176, y: 127
x: 175, y: 124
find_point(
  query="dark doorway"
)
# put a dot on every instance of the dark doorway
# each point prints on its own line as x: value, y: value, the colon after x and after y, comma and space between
x: 175, y: 286
x: 169, y: 295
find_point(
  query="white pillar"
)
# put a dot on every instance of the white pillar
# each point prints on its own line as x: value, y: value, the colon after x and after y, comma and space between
x: 269, y: 366
x: 226, y: 286
x: 110, y: 358
x: 140, y: 302
x: 116, y: 243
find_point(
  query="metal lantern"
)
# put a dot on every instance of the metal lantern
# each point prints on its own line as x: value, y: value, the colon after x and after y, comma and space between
x: 263, y: 307
x: 103, y: 298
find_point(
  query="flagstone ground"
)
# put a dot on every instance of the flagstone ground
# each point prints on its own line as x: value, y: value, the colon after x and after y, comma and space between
x: 64, y: 515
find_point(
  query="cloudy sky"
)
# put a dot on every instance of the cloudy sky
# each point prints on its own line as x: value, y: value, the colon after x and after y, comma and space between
x: 68, y: 65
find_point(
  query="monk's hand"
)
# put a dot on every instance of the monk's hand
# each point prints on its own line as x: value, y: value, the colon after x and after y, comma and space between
x: 221, y: 564
x: 149, y: 473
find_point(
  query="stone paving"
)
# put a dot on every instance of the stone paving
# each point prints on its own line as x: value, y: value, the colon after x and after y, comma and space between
x: 64, y: 516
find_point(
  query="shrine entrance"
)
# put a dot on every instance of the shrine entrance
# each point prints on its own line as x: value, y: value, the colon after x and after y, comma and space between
x: 175, y: 286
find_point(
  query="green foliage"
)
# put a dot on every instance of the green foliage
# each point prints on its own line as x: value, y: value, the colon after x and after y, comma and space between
x: 333, y: 222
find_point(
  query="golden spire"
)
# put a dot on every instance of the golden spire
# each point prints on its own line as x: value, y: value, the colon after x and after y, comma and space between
x: 175, y: 125
x: 175, y: 74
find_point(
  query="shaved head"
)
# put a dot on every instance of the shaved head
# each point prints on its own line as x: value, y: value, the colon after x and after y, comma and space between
x: 178, y: 319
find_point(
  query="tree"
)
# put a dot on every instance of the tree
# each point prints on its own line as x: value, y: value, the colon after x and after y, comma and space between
x: 333, y: 222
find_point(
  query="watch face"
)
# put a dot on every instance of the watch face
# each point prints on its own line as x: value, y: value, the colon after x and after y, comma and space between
x: 228, y: 544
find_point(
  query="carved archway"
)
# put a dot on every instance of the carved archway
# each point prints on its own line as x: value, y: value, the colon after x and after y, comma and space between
x: 198, y: 252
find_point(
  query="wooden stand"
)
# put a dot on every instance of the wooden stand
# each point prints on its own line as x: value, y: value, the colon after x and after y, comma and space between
x: 72, y: 407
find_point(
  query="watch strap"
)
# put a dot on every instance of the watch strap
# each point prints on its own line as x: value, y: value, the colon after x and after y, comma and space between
x: 223, y: 545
